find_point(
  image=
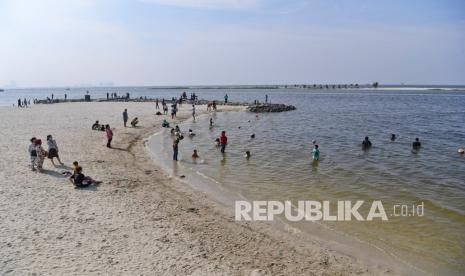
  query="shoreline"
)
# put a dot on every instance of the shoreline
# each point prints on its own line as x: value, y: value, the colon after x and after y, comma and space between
x: 339, y: 241
x: 138, y: 220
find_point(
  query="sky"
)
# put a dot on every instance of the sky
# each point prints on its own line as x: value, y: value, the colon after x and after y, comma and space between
x: 230, y: 42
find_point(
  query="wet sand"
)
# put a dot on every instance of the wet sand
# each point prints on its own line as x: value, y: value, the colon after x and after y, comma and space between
x: 138, y: 221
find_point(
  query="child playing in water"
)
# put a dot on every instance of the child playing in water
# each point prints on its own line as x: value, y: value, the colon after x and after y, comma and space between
x: 316, y: 153
x: 195, y: 155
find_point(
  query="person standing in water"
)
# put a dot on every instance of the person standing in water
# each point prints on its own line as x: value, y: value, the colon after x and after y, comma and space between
x: 223, y: 141
x: 226, y: 98
x: 125, y: 117
x: 109, y: 134
x: 176, y: 148
x: 315, y: 153
x: 416, y: 145
x: 366, y: 144
x: 393, y: 137
x: 193, y: 112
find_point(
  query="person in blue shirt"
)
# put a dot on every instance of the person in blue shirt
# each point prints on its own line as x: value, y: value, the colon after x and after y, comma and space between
x: 316, y: 153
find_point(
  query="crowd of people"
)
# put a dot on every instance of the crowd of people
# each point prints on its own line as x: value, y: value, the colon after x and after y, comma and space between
x: 38, y: 153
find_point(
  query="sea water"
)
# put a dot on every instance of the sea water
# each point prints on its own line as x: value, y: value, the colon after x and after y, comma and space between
x: 280, y: 167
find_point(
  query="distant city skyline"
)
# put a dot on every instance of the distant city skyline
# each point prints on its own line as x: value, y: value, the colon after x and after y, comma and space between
x: 54, y: 43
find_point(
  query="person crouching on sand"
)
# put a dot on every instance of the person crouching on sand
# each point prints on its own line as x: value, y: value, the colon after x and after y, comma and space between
x: 223, y: 141
x: 53, y: 150
x: 109, y: 134
x: 41, y: 154
x: 33, y: 153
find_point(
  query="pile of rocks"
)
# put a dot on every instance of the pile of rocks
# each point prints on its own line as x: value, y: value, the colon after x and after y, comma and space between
x: 270, y: 108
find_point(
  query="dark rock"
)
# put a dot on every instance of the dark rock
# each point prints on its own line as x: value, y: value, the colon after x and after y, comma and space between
x: 270, y: 108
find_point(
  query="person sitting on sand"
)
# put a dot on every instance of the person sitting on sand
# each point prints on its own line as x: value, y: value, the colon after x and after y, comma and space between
x: 33, y: 153
x: 81, y: 181
x: 416, y: 145
x: 191, y: 133
x: 316, y: 153
x: 366, y: 144
x: 165, y: 123
x: 41, y: 154
x: 53, y: 150
x: 195, y: 155
x: 134, y: 122
x: 96, y: 126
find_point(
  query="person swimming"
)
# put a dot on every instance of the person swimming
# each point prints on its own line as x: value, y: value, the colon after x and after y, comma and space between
x: 252, y: 136
x: 366, y: 144
x: 461, y: 151
x: 247, y: 154
x: 195, y: 154
x: 316, y: 153
x: 416, y: 145
x: 393, y: 137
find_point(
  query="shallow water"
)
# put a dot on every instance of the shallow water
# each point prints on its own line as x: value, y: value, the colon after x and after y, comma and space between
x: 281, y: 167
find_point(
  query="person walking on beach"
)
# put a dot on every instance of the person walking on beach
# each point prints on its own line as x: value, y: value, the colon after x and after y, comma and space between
x: 125, y: 117
x: 33, y: 153
x: 366, y: 144
x: 19, y: 103
x: 193, y: 112
x: 173, y: 110
x: 416, y: 145
x: 53, y: 150
x: 156, y: 104
x: 315, y: 153
x: 109, y: 134
x: 226, y: 98
x: 223, y: 141
x: 41, y: 154
x: 211, y: 122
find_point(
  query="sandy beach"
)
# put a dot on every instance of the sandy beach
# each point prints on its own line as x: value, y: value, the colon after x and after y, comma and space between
x: 138, y: 221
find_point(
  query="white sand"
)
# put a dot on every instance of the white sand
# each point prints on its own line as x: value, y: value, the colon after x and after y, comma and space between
x: 138, y: 221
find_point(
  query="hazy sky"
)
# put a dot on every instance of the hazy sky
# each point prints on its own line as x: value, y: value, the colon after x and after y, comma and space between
x: 179, y: 42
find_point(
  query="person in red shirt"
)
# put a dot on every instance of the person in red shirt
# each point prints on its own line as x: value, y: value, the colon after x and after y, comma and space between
x: 223, y: 141
x: 109, y: 134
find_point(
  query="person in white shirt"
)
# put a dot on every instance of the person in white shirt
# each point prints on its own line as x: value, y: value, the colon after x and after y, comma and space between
x: 53, y: 150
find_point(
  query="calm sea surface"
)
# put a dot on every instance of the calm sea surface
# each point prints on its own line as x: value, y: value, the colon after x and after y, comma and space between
x: 281, y: 168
